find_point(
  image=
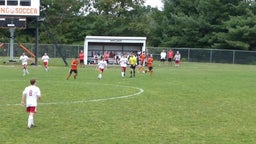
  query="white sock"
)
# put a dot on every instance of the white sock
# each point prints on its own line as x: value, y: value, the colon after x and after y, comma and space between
x: 30, y: 121
x: 100, y: 76
x: 24, y: 72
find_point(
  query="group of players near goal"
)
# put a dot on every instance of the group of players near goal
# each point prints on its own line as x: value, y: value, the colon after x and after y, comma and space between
x: 130, y: 59
x: 133, y: 60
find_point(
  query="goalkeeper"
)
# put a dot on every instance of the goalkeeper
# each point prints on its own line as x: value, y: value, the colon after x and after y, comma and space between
x: 132, y: 62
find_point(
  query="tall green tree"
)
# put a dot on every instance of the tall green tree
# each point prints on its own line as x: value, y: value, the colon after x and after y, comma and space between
x: 71, y: 21
x: 118, y: 17
x: 207, y: 23
x: 61, y: 19
x: 240, y: 29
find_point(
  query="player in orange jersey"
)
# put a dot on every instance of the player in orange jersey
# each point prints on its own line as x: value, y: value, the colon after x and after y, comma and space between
x: 150, y: 65
x: 142, y: 62
x: 73, y: 68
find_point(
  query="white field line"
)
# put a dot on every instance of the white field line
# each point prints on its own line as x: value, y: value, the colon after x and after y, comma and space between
x: 93, y: 100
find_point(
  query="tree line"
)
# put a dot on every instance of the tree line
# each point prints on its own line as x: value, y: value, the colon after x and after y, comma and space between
x: 217, y: 24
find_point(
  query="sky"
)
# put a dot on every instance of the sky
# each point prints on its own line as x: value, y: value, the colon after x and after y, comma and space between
x: 154, y: 3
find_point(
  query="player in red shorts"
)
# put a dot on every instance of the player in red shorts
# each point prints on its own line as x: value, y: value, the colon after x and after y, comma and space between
x: 24, y: 60
x: 31, y: 94
x: 102, y: 64
x: 45, y: 59
x: 177, y: 59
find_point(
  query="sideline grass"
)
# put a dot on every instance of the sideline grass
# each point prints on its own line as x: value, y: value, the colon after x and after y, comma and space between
x: 196, y: 103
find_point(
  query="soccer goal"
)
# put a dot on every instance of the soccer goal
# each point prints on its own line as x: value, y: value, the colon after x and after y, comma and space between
x: 97, y: 46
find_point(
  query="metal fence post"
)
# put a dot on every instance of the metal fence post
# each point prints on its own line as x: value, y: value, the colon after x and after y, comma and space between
x: 211, y: 56
x: 234, y: 53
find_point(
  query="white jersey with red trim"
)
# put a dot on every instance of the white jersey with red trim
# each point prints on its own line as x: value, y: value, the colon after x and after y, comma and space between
x: 24, y: 59
x: 45, y: 58
x: 31, y: 93
x: 177, y: 57
x: 102, y: 64
x: 123, y: 62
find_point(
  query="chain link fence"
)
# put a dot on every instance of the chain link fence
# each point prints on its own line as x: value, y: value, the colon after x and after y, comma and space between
x: 187, y: 54
x: 210, y: 55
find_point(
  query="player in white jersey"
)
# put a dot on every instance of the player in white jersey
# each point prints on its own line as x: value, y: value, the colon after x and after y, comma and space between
x: 163, y: 56
x: 123, y: 63
x: 45, y: 59
x: 177, y: 58
x: 101, y: 66
x: 31, y: 94
x: 24, y: 60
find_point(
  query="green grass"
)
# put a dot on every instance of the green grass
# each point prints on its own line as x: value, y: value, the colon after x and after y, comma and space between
x: 195, y: 104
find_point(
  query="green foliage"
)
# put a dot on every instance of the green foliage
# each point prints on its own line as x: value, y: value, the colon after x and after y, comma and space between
x: 240, y: 33
x: 209, y: 24
x: 225, y: 24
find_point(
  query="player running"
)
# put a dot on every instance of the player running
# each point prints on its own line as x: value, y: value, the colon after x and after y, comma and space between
x: 150, y: 65
x: 45, y: 59
x: 24, y: 60
x: 73, y: 68
x: 142, y: 59
x: 101, y: 66
x: 123, y: 63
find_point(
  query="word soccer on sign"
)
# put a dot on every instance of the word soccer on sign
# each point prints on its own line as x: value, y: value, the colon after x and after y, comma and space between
x: 20, y: 7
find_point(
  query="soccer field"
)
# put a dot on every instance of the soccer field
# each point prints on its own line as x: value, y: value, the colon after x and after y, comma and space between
x: 196, y: 103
